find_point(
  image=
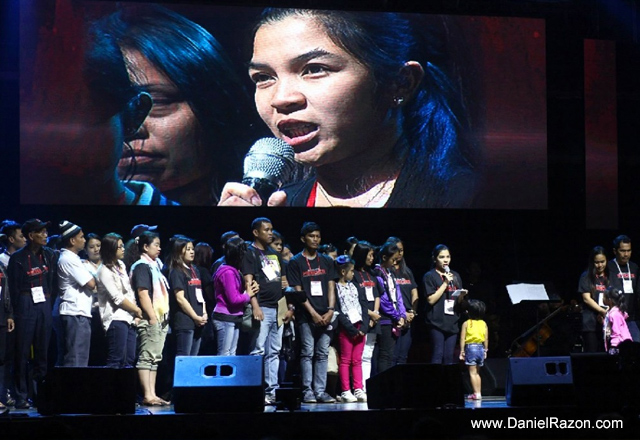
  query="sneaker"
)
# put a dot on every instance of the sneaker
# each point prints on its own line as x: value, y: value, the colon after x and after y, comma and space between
x: 474, y: 397
x: 348, y: 397
x: 10, y: 400
x: 325, y: 398
x: 360, y: 395
x: 309, y: 397
x: 269, y: 399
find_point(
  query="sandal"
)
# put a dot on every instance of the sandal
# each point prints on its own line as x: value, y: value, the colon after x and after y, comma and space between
x: 151, y: 403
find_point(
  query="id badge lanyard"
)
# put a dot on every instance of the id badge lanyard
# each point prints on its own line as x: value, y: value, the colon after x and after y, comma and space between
x: 37, y: 292
x: 627, y: 284
x: 449, y: 302
x: 195, y: 281
x: 316, y: 286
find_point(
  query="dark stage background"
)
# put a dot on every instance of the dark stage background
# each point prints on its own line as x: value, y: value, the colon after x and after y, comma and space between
x: 543, y: 245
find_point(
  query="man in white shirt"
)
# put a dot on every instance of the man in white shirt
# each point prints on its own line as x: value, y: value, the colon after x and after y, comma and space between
x: 76, y: 289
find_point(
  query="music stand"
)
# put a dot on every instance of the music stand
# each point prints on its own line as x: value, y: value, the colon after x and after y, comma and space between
x: 534, y: 294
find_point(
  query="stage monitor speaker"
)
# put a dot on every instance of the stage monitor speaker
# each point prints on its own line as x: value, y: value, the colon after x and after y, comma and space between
x: 608, y: 382
x: 539, y: 381
x: 218, y: 384
x: 88, y: 390
x: 416, y: 386
x: 597, y: 380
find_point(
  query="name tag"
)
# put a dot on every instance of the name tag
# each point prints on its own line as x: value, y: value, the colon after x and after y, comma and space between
x: 354, y: 316
x: 627, y: 286
x: 37, y: 293
x: 369, y: 293
x: 316, y: 288
x: 448, y: 306
x: 269, y: 271
x: 600, y: 299
x: 199, y: 296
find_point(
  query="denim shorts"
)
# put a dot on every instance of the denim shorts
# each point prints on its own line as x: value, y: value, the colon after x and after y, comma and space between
x: 474, y: 354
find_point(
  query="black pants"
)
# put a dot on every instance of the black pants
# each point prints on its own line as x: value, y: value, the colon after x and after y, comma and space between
x: 33, y: 326
x: 386, y: 346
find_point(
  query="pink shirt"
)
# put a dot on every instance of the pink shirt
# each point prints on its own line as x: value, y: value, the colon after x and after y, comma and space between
x: 615, y: 321
x: 228, y: 285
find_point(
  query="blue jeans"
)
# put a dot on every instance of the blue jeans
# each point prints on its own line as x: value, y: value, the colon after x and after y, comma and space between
x: 77, y: 340
x: 315, y: 344
x: 474, y: 354
x: 121, y: 345
x: 187, y: 342
x: 227, y: 336
x: 268, y: 344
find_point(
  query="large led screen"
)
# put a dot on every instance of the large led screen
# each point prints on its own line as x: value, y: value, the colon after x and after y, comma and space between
x: 144, y: 104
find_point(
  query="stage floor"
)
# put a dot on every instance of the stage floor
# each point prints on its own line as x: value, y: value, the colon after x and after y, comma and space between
x: 331, y: 421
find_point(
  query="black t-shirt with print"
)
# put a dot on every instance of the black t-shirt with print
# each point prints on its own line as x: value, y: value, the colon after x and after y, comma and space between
x: 589, y: 316
x: 188, y: 282
x: 407, y: 283
x: 262, y: 265
x: 436, y: 315
x: 302, y: 271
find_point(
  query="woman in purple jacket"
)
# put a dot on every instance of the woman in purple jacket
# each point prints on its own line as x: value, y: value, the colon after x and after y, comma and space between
x: 230, y: 297
x: 392, y: 310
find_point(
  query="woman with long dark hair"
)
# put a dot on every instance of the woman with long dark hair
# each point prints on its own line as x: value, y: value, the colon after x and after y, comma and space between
x: 367, y: 283
x: 117, y: 304
x: 443, y: 307
x: 203, y: 261
x: 591, y: 286
x: 409, y: 289
x: 231, y: 297
x: 392, y: 311
x: 189, y: 314
x: 200, y: 124
x: 361, y: 101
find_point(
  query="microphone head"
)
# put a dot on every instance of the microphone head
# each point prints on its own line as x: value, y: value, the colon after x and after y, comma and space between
x: 446, y: 269
x: 270, y: 159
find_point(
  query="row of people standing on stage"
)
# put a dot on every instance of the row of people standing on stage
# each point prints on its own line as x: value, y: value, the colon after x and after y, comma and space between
x: 609, y: 290
x: 137, y: 304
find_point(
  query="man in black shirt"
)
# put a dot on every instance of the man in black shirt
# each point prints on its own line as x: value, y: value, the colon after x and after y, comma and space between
x: 315, y: 274
x: 264, y: 265
x: 31, y: 273
x: 623, y: 274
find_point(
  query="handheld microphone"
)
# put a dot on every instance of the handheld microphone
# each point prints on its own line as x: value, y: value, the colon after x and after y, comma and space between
x: 447, y: 270
x: 268, y: 165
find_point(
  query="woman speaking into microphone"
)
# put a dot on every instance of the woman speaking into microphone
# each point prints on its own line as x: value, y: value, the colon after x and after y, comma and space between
x: 444, y: 297
x: 360, y: 100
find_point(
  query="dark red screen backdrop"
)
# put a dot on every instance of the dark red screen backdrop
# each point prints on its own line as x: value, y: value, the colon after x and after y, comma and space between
x: 601, y: 134
x: 499, y: 64
x: 510, y: 60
